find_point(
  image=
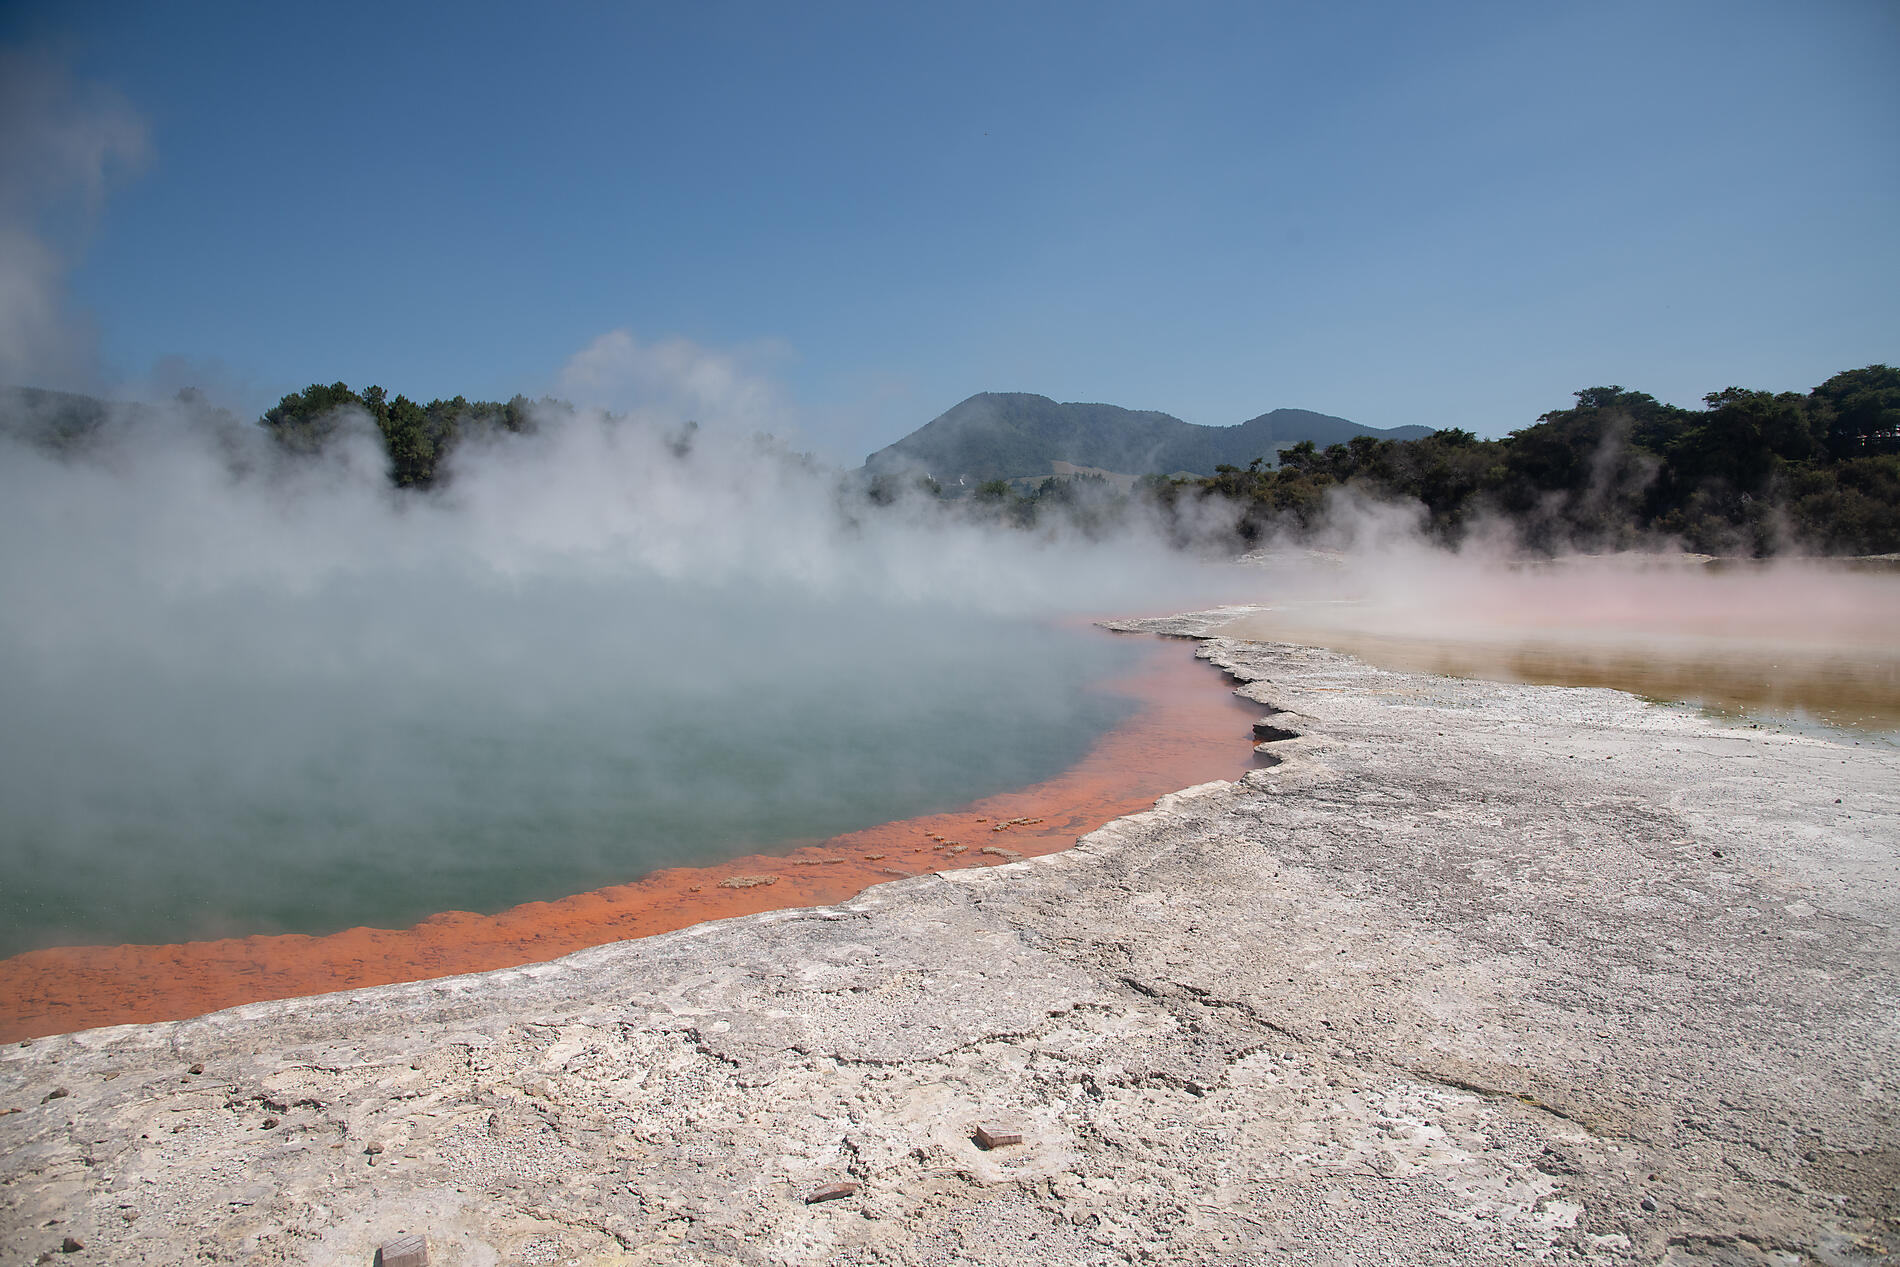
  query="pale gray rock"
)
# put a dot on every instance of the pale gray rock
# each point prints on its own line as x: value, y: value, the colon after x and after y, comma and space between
x: 1460, y: 979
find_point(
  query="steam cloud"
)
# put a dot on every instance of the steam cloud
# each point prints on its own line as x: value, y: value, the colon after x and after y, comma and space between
x: 248, y: 691
x: 61, y: 146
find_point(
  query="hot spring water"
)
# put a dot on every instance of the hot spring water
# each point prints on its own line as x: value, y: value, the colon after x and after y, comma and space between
x: 310, y: 760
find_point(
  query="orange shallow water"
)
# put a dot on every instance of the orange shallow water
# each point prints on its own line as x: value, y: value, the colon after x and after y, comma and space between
x: 1189, y: 729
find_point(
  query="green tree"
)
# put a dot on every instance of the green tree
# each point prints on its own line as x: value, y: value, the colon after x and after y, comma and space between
x: 1741, y: 440
x: 1858, y: 411
x: 306, y: 421
x: 411, y: 448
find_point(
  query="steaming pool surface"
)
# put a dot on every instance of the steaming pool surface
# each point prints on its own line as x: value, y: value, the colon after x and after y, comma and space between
x: 272, y: 762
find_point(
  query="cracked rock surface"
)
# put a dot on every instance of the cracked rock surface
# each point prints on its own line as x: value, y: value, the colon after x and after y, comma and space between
x: 1461, y: 978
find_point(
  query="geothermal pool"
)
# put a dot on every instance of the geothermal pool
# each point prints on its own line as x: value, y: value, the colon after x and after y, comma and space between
x: 173, y: 801
x: 1181, y: 725
x: 270, y: 727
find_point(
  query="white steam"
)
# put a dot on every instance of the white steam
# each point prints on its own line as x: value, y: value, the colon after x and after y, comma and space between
x: 678, y: 378
x: 245, y: 690
x: 61, y: 147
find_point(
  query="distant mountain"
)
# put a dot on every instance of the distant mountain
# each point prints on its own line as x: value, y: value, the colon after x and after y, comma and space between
x: 1008, y: 435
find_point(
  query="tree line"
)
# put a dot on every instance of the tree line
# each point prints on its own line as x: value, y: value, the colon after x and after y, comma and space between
x: 1753, y: 472
x: 417, y: 438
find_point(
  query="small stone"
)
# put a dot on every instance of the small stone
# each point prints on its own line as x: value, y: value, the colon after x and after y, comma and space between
x: 270, y: 1123
x: 747, y: 881
x: 404, y: 1251
x: 196, y: 1069
x: 1649, y: 1203
x: 57, y: 1093
x: 373, y: 1149
x: 1008, y: 855
x: 71, y: 1245
x: 988, y: 1136
x: 875, y: 857
x: 830, y: 1192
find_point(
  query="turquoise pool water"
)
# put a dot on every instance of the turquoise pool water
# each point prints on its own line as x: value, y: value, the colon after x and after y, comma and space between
x: 272, y: 762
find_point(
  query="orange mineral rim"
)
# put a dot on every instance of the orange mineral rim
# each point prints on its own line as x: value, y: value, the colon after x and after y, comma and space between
x: 1189, y: 728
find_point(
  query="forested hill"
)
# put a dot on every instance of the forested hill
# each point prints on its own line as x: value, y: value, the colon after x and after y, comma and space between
x: 1753, y: 473
x: 1010, y: 435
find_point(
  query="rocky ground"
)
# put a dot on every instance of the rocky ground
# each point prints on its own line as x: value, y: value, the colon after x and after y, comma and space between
x: 1474, y: 973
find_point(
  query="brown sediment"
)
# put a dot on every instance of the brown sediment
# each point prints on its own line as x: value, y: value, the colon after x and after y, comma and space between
x: 1849, y: 687
x: 1189, y: 729
x: 1804, y: 640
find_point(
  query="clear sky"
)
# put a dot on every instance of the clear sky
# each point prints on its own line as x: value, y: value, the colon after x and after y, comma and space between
x: 836, y: 221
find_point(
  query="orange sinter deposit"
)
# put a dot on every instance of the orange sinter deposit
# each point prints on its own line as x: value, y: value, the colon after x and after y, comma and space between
x: 1190, y: 729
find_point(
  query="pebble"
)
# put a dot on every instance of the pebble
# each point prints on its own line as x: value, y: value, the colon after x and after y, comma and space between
x: 830, y: 1192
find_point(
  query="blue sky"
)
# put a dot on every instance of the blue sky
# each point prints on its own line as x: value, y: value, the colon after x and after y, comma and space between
x: 836, y: 221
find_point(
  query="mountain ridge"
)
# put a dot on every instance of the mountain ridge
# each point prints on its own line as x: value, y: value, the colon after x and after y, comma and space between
x: 1010, y: 435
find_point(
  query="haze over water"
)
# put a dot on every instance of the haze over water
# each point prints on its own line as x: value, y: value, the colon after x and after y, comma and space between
x: 251, y: 694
